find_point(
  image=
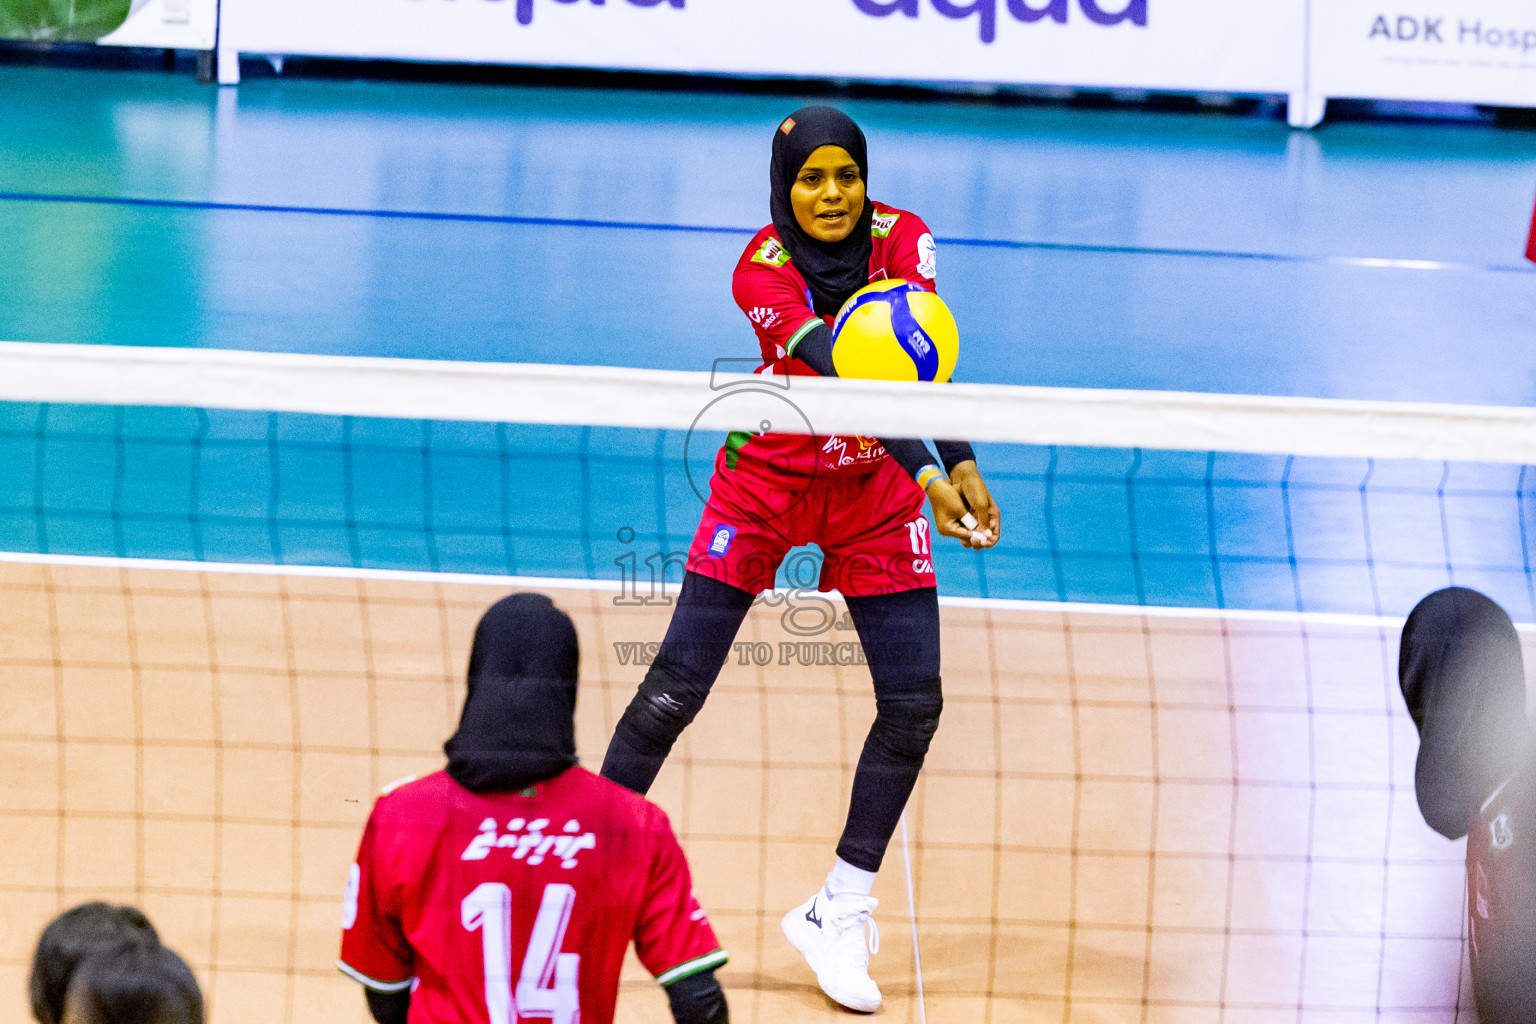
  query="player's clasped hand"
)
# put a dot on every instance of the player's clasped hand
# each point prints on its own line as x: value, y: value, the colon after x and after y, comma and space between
x: 964, y: 496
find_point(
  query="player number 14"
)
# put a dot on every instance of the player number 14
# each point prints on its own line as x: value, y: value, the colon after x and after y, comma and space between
x: 547, y: 985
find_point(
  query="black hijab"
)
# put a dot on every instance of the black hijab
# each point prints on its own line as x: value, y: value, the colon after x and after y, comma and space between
x: 833, y: 270
x: 518, y: 724
x: 1464, y: 684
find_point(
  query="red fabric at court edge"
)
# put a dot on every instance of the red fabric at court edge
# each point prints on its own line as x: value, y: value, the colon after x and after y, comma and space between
x: 1530, y: 243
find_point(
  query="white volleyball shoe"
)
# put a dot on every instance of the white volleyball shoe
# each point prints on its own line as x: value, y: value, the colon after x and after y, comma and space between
x: 836, y: 935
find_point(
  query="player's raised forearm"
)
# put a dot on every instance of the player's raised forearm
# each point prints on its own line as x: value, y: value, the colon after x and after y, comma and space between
x: 911, y: 454
x: 814, y: 349
x: 955, y: 453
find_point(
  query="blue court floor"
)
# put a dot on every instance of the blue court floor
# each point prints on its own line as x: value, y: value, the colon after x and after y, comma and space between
x: 1078, y: 248
x: 1109, y: 248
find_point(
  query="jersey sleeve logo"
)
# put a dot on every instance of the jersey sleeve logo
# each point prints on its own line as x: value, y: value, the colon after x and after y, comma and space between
x: 772, y: 253
x: 882, y: 224
x: 764, y: 316
x: 927, y: 256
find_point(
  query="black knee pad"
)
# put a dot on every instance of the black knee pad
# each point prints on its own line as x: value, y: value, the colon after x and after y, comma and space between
x: 904, y: 725
x: 659, y: 712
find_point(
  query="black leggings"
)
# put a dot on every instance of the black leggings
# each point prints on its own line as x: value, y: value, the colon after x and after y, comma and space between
x: 900, y: 634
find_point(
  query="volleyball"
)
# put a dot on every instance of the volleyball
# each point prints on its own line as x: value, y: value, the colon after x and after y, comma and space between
x: 895, y: 330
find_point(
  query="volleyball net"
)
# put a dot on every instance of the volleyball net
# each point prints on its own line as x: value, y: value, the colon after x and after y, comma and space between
x: 1173, y: 779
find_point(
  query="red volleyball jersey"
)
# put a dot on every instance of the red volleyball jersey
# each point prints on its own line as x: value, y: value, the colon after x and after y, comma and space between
x: 1530, y: 243
x: 504, y: 907
x: 773, y: 295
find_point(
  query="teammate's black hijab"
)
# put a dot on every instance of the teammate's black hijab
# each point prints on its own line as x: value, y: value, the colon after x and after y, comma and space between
x: 833, y: 270
x: 1464, y: 684
x: 518, y: 724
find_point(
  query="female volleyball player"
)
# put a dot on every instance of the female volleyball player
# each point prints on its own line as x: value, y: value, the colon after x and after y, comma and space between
x: 507, y: 887
x: 1463, y: 680
x: 860, y: 499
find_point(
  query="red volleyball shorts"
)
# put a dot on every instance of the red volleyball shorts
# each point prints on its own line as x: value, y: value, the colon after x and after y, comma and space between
x: 870, y: 528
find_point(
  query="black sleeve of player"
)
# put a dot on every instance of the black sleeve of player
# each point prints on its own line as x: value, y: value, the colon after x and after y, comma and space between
x: 698, y: 999
x: 389, y: 1007
x: 815, y: 351
x: 954, y: 452
x: 910, y: 453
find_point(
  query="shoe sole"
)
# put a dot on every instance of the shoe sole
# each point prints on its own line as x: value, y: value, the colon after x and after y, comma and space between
x: 789, y: 926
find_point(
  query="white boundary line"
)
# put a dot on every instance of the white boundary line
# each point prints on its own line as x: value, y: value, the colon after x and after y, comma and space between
x: 917, y: 958
x: 614, y: 586
x: 320, y: 571
x: 665, y: 399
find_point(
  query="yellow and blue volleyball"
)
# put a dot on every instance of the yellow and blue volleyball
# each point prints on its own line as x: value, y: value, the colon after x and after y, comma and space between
x: 895, y: 330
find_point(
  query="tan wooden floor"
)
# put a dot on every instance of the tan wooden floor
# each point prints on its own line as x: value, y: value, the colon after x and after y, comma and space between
x: 1123, y: 818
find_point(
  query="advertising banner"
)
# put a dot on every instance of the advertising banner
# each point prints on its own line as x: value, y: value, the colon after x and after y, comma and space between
x: 173, y: 24
x: 1241, y: 46
x: 1457, y: 51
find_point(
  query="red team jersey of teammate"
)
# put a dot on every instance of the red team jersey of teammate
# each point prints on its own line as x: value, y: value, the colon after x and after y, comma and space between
x: 773, y: 295
x: 494, y: 908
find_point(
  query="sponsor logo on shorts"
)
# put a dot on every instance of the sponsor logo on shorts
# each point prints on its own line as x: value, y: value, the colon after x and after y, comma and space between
x: 772, y: 253
x: 882, y: 223
x: 926, y: 253
x: 764, y: 316
x: 720, y: 540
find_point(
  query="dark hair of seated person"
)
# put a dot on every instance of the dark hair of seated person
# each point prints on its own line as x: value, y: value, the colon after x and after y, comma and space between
x: 68, y: 940
x: 133, y: 983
